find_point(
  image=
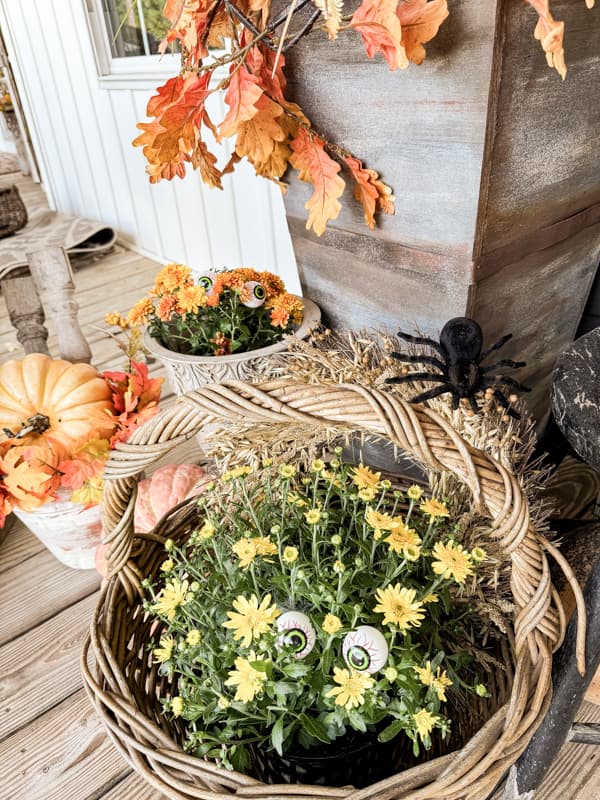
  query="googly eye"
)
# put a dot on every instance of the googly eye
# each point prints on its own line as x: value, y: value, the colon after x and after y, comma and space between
x: 365, y: 649
x: 206, y: 281
x: 256, y: 294
x: 297, y: 633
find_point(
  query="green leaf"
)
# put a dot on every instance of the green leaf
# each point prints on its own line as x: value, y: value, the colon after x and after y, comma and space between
x: 296, y: 670
x: 277, y: 736
x: 392, y: 730
x: 314, y: 728
x: 356, y: 720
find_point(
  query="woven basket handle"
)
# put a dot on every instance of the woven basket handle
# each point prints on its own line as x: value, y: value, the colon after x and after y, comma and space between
x: 415, y: 429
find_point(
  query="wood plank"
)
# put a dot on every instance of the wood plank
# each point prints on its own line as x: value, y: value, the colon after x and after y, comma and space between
x: 63, y: 755
x: 37, y: 589
x: 19, y: 545
x: 133, y: 787
x: 41, y: 668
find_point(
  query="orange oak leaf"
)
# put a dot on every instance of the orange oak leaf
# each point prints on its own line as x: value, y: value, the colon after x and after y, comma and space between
x: 87, y: 462
x: 189, y: 21
x: 28, y: 482
x: 420, y: 20
x: 261, y: 140
x: 370, y: 192
x: 550, y: 33
x: 171, y: 137
x: 263, y: 6
x: 206, y: 161
x: 379, y: 26
x: 316, y: 167
x: 242, y: 95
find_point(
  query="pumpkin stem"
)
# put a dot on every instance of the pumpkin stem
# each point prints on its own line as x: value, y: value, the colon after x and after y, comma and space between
x: 38, y: 423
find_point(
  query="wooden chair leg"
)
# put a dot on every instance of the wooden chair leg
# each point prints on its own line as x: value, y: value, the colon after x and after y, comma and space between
x: 53, y: 277
x: 25, y: 312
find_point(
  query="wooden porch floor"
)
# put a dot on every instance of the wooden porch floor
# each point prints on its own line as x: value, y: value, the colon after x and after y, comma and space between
x: 52, y: 745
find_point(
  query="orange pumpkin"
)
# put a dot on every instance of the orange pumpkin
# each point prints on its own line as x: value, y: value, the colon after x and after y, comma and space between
x: 74, y: 398
x: 168, y: 486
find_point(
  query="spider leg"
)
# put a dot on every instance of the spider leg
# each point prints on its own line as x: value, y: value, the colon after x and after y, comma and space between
x: 503, y: 379
x: 505, y: 362
x: 500, y: 343
x: 505, y: 404
x: 421, y: 340
x: 435, y: 362
x: 417, y: 376
x: 473, y: 404
x: 435, y: 392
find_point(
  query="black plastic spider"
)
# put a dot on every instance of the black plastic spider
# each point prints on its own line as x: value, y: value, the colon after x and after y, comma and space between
x: 460, y: 370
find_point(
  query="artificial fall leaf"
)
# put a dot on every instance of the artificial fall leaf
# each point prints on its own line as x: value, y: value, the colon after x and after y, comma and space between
x: 379, y: 26
x: 206, y: 161
x: 5, y: 504
x: 88, y: 461
x: 170, y: 138
x: 135, y: 397
x: 263, y: 6
x: 261, y: 139
x: 372, y: 193
x: 189, y: 20
x: 550, y: 33
x: 89, y: 493
x: 332, y: 14
x: 242, y: 95
x: 316, y: 167
x: 420, y: 20
x: 28, y: 483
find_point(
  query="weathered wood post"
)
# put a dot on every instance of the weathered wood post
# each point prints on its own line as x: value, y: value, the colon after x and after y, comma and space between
x: 25, y: 312
x: 53, y: 277
x: 495, y: 165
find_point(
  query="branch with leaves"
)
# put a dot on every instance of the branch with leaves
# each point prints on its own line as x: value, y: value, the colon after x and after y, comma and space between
x: 271, y: 132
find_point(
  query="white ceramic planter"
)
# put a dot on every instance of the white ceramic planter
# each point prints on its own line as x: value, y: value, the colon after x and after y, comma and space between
x: 186, y: 373
x: 69, y: 530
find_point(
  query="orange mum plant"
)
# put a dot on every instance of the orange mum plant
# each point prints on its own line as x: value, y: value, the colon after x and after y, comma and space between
x: 271, y: 132
x: 58, y: 424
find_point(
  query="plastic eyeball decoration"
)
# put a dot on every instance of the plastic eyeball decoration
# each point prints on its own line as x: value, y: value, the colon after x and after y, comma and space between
x: 297, y: 633
x: 365, y: 649
x: 256, y: 294
x: 206, y: 281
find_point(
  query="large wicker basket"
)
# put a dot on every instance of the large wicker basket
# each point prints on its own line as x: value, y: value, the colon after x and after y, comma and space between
x: 124, y: 684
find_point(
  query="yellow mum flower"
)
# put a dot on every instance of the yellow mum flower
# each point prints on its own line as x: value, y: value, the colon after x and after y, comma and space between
x: 478, y: 554
x: 352, y: 687
x: 290, y: 554
x: 440, y: 681
x: 378, y: 521
x: 339, y: 566
x: 249, y: 681
x: 223, y: 703
x: 193, y: 638
x: 411, y: 553
x: 172, y: 277
x: 317, y: 465
x: 266, y: 462
x: 414, y: 492
x: 245, y: 550
x: 313, y: 516
x: 331, y: 624
x: 367, y: 494
x: 172, y: 596
x: 401, y: 537
x: 365, y: 478
x: 451, y: 561
x: 177, y: 706
x: 140, y: 312
x: 399, y: 607
x: 287, y: 470
x: 167, y: 565
x: 431, y: 598
x: 206, y: 531
x: 424, y: 722
x: 434, y: 509
x: 263, y: 546
x: 190, y: 299
x: 236, y: 472
x: 165, y: 650
x: 250, y: 621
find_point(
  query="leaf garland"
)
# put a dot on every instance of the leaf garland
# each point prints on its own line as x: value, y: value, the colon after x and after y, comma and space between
x: 271, y: 132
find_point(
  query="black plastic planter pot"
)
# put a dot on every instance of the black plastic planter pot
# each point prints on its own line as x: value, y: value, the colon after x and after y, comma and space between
x: 354, y: 760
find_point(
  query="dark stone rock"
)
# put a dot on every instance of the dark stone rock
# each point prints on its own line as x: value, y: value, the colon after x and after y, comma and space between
x: 576, y: 396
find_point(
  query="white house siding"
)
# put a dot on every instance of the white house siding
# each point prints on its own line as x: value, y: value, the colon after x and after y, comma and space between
x: 82, y: 129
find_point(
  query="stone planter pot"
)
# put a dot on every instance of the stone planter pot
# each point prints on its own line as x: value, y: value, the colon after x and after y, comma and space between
x: 186, y: 373
x: 70, y: 531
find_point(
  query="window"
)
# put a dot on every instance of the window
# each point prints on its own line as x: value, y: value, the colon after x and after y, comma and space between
x: 134, y: 27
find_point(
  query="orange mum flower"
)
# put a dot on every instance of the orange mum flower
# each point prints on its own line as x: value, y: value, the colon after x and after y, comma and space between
x: 140, y: 312
x: 280, y: 317
x: 272, y: 283
x: 190, y: 299
x: 172, y: 277
x: 165, y: 307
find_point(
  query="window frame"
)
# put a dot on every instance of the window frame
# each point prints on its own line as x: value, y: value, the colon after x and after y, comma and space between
x: 124, y: 72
